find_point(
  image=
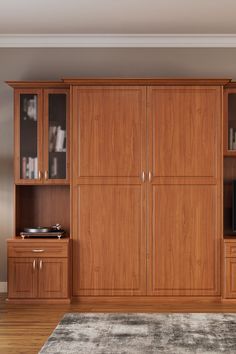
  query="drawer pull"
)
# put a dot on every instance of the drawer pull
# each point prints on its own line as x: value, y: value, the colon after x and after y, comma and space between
x: 37, y: 250
x: 34, y: 264
x: 40, y: 264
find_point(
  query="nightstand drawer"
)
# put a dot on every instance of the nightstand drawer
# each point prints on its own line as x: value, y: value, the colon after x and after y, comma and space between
x: 41, y: 249
x: 230, y: 249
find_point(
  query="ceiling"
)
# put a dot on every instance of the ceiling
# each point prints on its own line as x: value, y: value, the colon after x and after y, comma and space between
x: 118, y: 17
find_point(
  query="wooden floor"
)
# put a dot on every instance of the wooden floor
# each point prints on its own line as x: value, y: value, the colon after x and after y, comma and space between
x: 25, y: 328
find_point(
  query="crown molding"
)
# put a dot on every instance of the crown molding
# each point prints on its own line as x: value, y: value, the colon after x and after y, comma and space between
x: 117, y: 41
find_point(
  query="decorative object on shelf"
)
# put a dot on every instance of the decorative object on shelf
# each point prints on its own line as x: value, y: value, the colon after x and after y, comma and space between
x: 30, y: 108
x: 51, y: 231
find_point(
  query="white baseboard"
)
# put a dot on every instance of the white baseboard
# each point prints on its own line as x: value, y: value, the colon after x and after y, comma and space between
x: 3, y: 286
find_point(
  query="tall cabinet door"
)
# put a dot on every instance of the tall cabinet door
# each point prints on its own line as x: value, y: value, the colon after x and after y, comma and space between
x: 184, y: 192
x: 56, y: 136
x: 28, y: 136
x: 109, y: 193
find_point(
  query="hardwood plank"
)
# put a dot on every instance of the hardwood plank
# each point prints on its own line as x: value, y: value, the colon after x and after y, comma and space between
x: 25, y: 328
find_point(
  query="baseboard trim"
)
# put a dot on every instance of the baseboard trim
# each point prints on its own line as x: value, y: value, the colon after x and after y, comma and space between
x: 3, y: 286
x: 141, y: 300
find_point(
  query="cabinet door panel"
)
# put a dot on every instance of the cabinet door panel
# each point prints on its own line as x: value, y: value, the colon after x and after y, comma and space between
x: 230, y: 278
x: 184, y: 130
x: 110, y: 133
x: 184, y: 247
x: 28, y: 136
x: 22, y: 279
x: 110, y: 248
x: 56, y: 136
x: 53, y: 278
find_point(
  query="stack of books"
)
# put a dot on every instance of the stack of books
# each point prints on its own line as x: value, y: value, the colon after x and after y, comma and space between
x: 29, y: 167
x: 57, y: 139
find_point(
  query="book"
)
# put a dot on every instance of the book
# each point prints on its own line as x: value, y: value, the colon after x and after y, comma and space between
x: 60, y: 139
x: 231, y: 133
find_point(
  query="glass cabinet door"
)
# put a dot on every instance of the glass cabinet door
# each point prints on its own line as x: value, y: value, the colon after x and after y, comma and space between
x: 56, y: 135
x: 28, y: 136
x: 232, y: 121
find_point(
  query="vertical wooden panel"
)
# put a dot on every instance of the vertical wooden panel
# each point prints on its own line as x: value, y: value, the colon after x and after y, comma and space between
x: 22, y: 282
x: 185, y: 193
x: 184, y: 248
x: 53, y: 278
x: 184, y: 128
x: 111, y: 131
x: 110, y: 252
x: 109, y: 197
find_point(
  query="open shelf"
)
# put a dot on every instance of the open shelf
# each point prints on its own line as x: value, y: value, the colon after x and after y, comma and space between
x: 42, y: 205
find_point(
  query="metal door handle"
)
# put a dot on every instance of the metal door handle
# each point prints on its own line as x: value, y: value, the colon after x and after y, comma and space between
x: 149, y: 176
x: 46, y: 175
x: 143, y: 176
x: 34, y: 264
x: 40, y: 174
x: 40, y: 264
x: 37, y: 250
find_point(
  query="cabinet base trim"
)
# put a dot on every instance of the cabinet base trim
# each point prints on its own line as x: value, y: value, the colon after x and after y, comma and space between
x: 38, y: 301
x: 136, y: 300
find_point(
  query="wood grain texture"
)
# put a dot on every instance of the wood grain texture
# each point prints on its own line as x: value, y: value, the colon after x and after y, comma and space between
x: 230, y: 278
x: 42, y: 206
x: 53, y: 278
x: 38, y: 270
x: 185, y: 243
x: 111, y: 131
x: 110, y: 244
x: 24, y: 328
x: 146, y: 81
x: 183, y: 129
x: 230, y: 248
x: 37, y: 84
x: 29, y: 247
x: 22, y: 282
x: 109, y: 232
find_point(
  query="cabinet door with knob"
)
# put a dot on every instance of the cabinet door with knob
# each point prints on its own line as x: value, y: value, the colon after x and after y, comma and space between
x: 38, y: 270
x: 52, y: 278
x: 184, y: 225
x: 23, y: 280
x: 28, y: 136
x: 109, y: 202
x: 41, y: 136
x: 56, y: 134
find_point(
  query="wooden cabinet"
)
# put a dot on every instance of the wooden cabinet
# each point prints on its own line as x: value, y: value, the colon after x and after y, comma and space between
x: 147, y: 179
x: 109, y: 197
x: 38, y: 270
x: 143, y: 205
x: 229, y: 269
x: 22, y: 280
x: 185, y: 190
x: 41, y: 135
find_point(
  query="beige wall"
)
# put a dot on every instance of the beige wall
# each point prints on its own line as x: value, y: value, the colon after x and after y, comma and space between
x: 46, y: 64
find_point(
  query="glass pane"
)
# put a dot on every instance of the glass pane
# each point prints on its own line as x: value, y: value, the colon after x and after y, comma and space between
x: 57, y: 136
x: 232, y: 121
x: 28, y: 136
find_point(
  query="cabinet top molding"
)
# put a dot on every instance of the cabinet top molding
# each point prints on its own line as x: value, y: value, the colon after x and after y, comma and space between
x: 38, y: 84
x: 145, y: 81
x: 100, y: 81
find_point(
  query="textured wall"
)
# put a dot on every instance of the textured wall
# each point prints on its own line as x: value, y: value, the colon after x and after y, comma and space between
x: 46, y: 64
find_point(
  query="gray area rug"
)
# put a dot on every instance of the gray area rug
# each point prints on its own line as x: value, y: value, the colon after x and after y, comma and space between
x: 143, y: 333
